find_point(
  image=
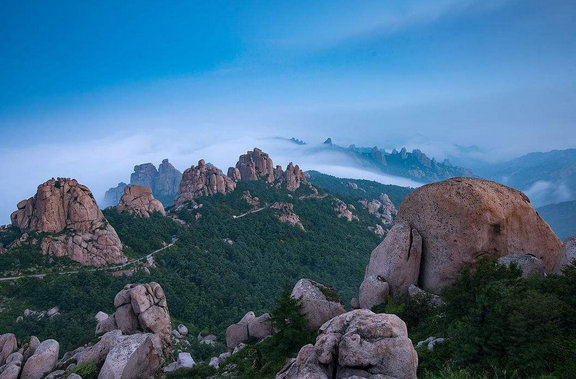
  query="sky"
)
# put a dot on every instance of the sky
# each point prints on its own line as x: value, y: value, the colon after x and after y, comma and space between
x: 89, y: 89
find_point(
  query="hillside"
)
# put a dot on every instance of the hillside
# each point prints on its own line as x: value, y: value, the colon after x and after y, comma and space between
x: 219, y: 267
x: 561, y: 217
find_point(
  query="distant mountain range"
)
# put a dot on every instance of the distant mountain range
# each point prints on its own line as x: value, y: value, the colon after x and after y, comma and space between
x: 561, y: 217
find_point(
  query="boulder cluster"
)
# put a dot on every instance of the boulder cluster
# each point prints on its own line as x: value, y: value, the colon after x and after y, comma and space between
x: 139, y: 201
x: 286, y: 214
x: 357, y: 344
x: 248, y: 327
x: 76, y: 228
x: 383, y: 208
x: 444, y: 226
x: 140, y: 308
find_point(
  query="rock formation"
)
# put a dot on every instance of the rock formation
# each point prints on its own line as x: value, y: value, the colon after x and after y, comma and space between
x: 144, y: 175
x: 320, y: 303
x: 383, y: 208
x: 357, y: 344
x: 200, y: 181
x: 42, y: 362
x: 131, y: 357
x: 140, y: 308
x: 293, y: 177
x: 567, y: 255
x: 286, y: 214
x: 248, y: 327
x: 343, y: 210
x: 167, y: 181
x: 459, y: 221
x: 77, y: 228
x: 113, y: 195
x: 139, y: 201
x: 529, y: 264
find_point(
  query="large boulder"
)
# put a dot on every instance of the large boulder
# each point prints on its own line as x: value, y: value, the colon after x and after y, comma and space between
x: 373, y: 291
x: 238, y: 333
x: 320, y: 303
x: 461, y: 220
x: 139, y: 201
x: 567, y: 255
x: 63, y: 205
x: 8, y: 345
x: 396, y: 260
x: 134, y: 356
x: 260, y: 327
x: 42, y: 362
x: 143, y: 307
x: 97, y: 354
x: 359, y: 343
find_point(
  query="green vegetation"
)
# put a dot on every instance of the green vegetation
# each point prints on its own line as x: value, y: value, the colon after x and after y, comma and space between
x: 368, y: 189
x: 28, y: 259
x: 9, y: 235
x: 87, y: 370
x: 142, y: 235
x: 497, y: 324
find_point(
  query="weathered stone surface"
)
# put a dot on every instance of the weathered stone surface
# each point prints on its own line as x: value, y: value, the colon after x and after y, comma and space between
x: 8, y: 345
x: 256, y: 165
x: 260, y: 327
x: 134, y: 356
x: 529, y: 264
x: 359, y: 343
x: 107, y: 325
x: 100, y: 316
x: 182, y: 329
x: 567, y: 255
x: 238, y: 333
x: 113, y: 195
x: 31, y: 348
x: 97, y: 353
x: 10, y: 371
x: 463, y: 219
x: 286, y: 214
x: 317, y: 307
x: 167, y: 181
x: 144, y: 175
x: 200, y: 181
x: 293, y: 177
x: 373, y: 291
x: 143, y: 307
x: 139, y: 201
x: 65, y: 205
x: 383, y: 208
x: 42, y: 362
x: 396, y: 260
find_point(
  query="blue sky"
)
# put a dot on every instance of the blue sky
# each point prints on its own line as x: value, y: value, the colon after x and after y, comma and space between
x: 108, y: 75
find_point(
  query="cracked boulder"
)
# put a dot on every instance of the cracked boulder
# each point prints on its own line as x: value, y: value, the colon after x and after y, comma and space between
x: 320, y: 303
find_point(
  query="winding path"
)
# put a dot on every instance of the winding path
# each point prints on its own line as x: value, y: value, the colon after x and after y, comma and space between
x: 107, y: 268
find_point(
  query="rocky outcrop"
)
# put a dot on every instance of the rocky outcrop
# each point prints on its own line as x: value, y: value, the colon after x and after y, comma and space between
x: 529, y: 264
x: 113, y: 195
x: 8, y: 345
x: 373, y: 291
x: 143, y: 308
x: 293, y: 177
x: 139, y: 201
x: 343, y: 210
x: 42, y: 362
x: 131, y: 357
x: 357, y: 344
x: 286, y: 214
x: 200, y: 181
x: 567, y: 255
x: 167, y: 181
x: 144, y: 175
x: 396, y: 261
x: 459, y: 221
x: 77, y: 228
x: 256, y: 165
x: 383, y: 208
x: 320, y: 303
x: 248, y: 327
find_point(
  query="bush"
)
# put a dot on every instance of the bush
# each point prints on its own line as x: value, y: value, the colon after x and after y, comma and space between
x: 86, y: 370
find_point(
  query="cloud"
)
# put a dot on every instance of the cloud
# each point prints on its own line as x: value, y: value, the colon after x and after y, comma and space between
x: 545, y: 192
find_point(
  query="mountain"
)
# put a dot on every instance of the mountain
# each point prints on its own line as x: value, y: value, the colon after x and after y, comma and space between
x: 561, y: 217
x: 163, y: 181
x: 545, y: 177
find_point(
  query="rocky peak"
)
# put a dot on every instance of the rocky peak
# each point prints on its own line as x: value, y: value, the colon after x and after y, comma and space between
x: 113, y: 195
x: 328, y: 141
x: 167, y: 180
x: 378, y: 155
x: 255, y: 165
x: 139, y: 201
x: 144, y: 175
x: 65, y: 205
x: 293, y: 177
x: 200, y: 181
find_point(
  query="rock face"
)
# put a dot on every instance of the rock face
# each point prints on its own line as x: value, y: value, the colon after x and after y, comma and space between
x: 287, y: 214
x: 113, y: 195
x: 293, y: 177
x: 373, y: 291
x: 42, y: 362
x: 320, y: 303
x: 8, y: 345
x: 144, y: 175
x: 64, y: 205
x: 200, y: 181
x: 529, y: 264
x: 143, y: 308
x: 249, y: 327
x: 139, y: 201
x: 461, y: 220
x: 134, y: 356
x: 567, y: 254
x: 357, y: 344
x: 396, y: 260
x: 167, y: 181
x: 383, y: 208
